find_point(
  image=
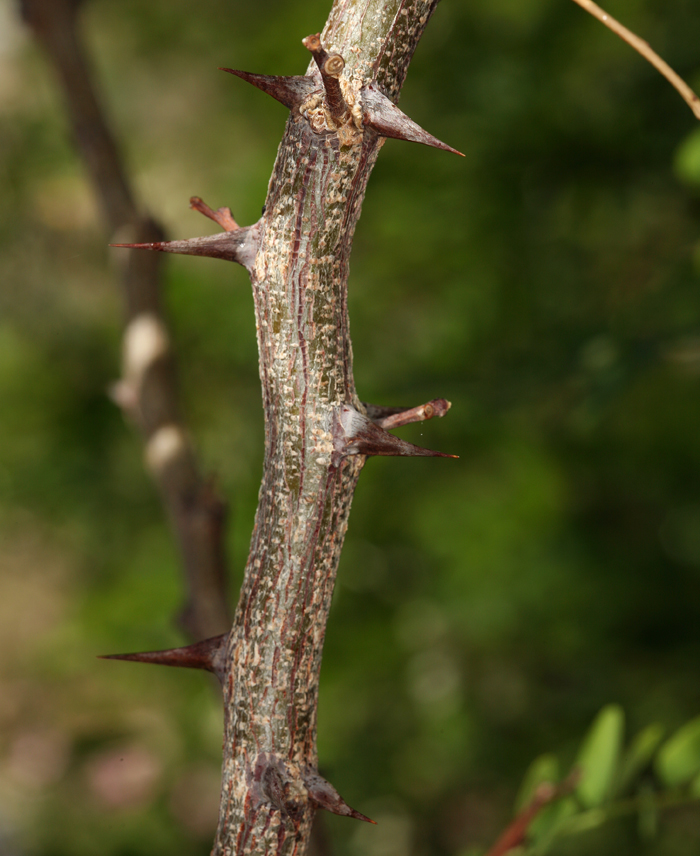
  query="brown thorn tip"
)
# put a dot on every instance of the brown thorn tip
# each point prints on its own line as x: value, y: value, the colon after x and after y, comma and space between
x: 384, y: 116
x: 207, y: 654
x: 233, y: 245
x: 290, y: 91
x: 325, y: 796
x: 356, y: 434
x: 153, y: 246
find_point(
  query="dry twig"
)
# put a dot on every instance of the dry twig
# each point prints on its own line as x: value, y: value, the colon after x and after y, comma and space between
x: 545, y: 794
x: 642, y: 47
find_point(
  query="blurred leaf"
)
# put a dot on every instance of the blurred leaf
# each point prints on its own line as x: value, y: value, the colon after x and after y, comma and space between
x: 548, y: 824
x: 599, y: 754
x: 638, y: 755
x: 648, y: 818
x: 679, y: 758
x: 543, y: 769
x: 687, y: 161
x: 695, y: 786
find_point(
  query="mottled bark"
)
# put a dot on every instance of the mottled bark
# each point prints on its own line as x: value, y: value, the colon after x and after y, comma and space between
x: 299, y: 279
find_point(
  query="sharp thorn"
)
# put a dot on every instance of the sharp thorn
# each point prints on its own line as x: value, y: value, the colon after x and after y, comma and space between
x: 393, y: 417
x: 290, y: 91
x: 235, y: 246
x: 384, y: 116
x: 208, y: 655
x: 356, y: 434
x: 222, y: 216
x: 325, y: 796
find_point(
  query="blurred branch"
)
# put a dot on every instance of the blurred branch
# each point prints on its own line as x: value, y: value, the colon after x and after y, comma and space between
x: 643, y: 48
x: 591, y: 818
x: 148, y: 391
x: 545, y: 794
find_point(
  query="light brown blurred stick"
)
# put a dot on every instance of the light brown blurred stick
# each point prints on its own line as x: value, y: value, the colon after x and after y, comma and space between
x: 645, y: 50
x: 148, y: 391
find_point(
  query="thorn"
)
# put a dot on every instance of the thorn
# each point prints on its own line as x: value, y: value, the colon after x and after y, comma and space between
x: 222, y: 216
x: 384, y: 116
x: 356, y: 434
x: 234, y: 246
x: 290, y: 91
x: 325, y: 795
x: 393, y: 417
x: 331, y: 67
x: 207, y: 654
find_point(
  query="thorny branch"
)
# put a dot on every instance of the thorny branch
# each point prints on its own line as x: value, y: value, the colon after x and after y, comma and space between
x: 642, y: 47
x: 147, y: 392
x: 318, y: 434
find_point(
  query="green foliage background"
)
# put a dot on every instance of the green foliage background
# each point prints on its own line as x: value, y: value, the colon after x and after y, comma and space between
x: 487, y: 608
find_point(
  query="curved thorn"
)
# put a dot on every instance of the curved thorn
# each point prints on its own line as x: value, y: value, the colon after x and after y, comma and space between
x: 207, y: 654
x: 356, y: 434
x: 290, y: 91
x: 384, y: 116
x: 393, y: 417
x: 325, y: 796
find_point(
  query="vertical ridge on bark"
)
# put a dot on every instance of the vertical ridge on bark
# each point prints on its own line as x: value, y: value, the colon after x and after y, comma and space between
x: 299, y: 280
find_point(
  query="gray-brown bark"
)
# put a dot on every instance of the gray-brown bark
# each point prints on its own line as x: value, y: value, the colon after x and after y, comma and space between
x: 299, y: 279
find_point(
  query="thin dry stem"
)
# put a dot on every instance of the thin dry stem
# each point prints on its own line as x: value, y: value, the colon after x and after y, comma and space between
x: 222, y: 216
x: 545, y: 794
x: 394, y: 417
x: 642, y: 47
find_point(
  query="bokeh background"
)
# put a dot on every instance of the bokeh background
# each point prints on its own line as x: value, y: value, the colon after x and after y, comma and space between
x: 547, y: 284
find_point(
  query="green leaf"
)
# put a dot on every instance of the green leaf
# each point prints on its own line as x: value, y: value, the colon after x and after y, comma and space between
x: 545, y: 768
x: 679, y: 758
x: 599, y: 754
x: 639, y: 755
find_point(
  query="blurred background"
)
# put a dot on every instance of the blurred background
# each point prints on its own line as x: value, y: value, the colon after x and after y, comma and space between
x: 546, y: 284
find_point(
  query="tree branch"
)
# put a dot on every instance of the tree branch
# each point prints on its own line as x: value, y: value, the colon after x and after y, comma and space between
x: 545, y: 794
x: 642, y: 47
x: 317, y: 433
x: 147, y: 392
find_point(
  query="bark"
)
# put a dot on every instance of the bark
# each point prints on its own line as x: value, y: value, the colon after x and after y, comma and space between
x: 299, y: 275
